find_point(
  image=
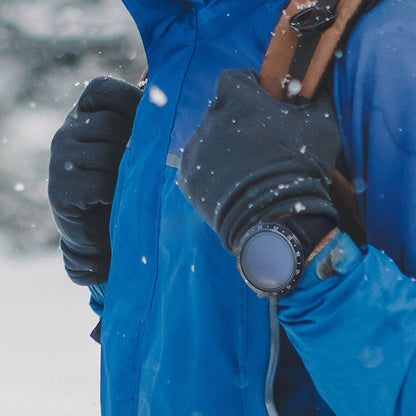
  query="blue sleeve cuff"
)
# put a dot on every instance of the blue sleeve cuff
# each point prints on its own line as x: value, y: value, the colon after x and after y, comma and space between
x: 352, y: 319
x: 98, y: 297
x: 338, y: 258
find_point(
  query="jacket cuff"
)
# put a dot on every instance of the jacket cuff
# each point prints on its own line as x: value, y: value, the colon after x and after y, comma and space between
x: 337, y: 259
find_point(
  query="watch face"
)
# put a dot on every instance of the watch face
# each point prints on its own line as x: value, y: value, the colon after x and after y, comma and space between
x: 270, y: 259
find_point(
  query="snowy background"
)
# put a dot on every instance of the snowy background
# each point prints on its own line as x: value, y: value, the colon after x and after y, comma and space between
x: 49, y: 49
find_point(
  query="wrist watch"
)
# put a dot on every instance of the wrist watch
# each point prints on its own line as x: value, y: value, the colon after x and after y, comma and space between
x: 271, y: 255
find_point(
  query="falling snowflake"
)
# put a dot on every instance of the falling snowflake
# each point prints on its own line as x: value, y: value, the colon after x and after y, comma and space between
x: 299, y: 207
x: 157, y: 96
x: 19, y: 187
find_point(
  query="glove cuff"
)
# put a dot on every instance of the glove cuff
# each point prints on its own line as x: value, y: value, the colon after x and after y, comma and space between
x: 267, y: 202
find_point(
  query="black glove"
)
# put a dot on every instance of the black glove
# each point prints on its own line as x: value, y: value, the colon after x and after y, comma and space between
x: 255, y: 158
x: 85, y: 156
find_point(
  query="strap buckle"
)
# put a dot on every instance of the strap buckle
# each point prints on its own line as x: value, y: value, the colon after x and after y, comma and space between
x: 313, y: 20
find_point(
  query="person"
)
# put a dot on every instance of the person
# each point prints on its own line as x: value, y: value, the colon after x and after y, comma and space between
x: 181, y: 332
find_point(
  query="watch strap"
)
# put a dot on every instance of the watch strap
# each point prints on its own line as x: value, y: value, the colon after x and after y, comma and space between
x: 309, y: 229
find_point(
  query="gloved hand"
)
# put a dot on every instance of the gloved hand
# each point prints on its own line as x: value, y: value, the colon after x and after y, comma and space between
x: 255, y: 158
x: 85, y: 156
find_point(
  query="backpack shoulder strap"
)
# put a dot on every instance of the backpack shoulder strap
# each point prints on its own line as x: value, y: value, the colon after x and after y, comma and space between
x: 302, y: 48
x: 304, y: 43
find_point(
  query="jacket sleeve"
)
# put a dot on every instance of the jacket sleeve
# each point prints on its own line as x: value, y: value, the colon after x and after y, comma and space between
x: 356, y: 330
x: 352, y: 319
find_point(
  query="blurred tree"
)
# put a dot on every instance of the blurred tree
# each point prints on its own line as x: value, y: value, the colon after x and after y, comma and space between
x: 49, y: 49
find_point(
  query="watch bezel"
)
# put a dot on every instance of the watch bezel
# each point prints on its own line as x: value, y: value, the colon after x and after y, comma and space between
x: 291, y: 239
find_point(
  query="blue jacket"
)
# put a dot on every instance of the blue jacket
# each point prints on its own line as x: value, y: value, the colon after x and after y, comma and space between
x: 182, y: 334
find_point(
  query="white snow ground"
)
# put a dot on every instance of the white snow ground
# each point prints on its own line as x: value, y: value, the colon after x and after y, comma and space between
x: 49, y: 366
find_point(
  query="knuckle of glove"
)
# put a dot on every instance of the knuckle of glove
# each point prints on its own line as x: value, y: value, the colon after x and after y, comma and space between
x: 97, y: 127
x: 72, y: 196
x: 111, y: 94
x: 105, y: 127
x: 105, y: 112
x: 81, y: 173
x: 74, y: 188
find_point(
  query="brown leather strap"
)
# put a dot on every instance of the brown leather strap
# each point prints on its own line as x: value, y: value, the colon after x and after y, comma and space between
x: 326, y: 49
x: 279, y: 55
x: 343, y: 192
x: 275, y: 72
